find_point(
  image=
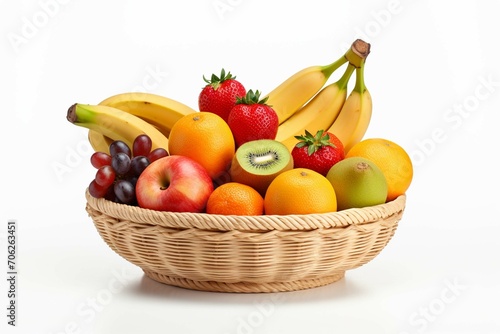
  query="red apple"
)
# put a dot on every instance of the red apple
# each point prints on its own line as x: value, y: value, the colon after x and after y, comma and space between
x: 174, y: 183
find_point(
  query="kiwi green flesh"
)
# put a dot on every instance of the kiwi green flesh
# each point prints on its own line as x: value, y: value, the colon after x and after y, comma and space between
x: 263, y: 157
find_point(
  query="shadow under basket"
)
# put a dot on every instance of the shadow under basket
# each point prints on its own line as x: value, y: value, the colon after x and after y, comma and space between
x: 267, y: 253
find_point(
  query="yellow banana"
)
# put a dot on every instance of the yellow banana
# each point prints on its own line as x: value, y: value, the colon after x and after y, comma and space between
x: 354, y: 118
x: 299, y: 88
x: 160, y: 111
x: 114, y: 123
x: 99, y: 142
x: 317, y: 114
x: 289, y: 96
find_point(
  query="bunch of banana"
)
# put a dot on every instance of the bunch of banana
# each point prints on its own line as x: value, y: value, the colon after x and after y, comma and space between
x: 354, y: 118
x: 304, y: 103
x: 114, y: 124
x: 135, y: 108
x: 160, y: 111
x: 317, y: 114
x: 289, y: 96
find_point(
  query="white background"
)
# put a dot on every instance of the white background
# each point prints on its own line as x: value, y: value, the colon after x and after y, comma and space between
x: 435, y: 81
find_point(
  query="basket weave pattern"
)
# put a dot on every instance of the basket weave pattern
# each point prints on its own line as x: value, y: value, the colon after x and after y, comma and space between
x: 245, y: 253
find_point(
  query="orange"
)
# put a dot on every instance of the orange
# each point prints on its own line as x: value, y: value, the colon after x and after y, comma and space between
x: 206, y: 138
x: 300, y: 191
x: 391, y: 158
x: 235, y: 198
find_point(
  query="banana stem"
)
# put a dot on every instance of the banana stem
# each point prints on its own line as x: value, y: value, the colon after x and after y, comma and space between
x: 358, y: 52
x: 360, y: 79
x: 329, y: 69
x: 342, y: 82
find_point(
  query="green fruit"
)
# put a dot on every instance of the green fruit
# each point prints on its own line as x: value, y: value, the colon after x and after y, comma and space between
x: 358, y: 183
x: 256, y: 163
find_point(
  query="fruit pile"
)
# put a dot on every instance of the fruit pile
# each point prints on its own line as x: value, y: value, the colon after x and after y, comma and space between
x: 297, y: 150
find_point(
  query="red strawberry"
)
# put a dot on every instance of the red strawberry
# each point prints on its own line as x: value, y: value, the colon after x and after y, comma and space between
x: 252, y: 119
x: 319, y: 152
x: 220, y: 93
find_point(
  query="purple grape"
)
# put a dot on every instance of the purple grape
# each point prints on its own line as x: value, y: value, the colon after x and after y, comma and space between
x: 133, y: 180
x: 124, y: 191
x: 110, y: 194
x: 138, y: 164
x: 119, y: 146
x: 120, y: 163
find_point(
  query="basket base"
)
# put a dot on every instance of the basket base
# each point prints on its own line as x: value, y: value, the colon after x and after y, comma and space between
x: 244, y: 287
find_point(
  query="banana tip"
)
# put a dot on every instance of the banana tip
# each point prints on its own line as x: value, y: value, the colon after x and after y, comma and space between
x: 361, y: 47
x: 71, y: 114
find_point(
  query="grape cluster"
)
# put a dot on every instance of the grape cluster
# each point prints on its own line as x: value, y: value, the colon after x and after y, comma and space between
x: 118, y: 171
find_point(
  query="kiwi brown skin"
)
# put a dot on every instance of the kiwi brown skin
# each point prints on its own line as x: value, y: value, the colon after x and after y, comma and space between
x: 276, y: 159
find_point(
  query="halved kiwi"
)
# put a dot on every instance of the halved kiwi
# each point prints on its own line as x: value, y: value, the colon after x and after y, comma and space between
x: 256, y: 163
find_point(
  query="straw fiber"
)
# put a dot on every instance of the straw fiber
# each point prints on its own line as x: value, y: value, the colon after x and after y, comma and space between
x: 245, y: 253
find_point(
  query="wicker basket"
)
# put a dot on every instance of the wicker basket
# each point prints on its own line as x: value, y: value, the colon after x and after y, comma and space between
x: 245, y: 253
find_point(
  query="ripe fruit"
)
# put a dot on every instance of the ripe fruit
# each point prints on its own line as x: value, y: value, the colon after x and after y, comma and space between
x: 97, y: 190
x: 118, y: 171
x: 319, y: 152
x: 124, y: 190
x: 358, y: 182
x: 120, y: 163
x: 157, y: 153
x: 299, y: 191
x: 205, y: 138
x: 105, y: 176
x: 100, y: 159
x: 392, y: 160
x: 220, y: 93
x: 174, y: 183
x: 142, y: 146
x: 252, y: 119
x: 235, y: 199
x: 119, y: 146
x: 256, y: 163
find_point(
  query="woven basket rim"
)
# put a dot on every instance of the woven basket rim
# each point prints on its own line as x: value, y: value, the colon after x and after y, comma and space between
x: 185, y: 220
